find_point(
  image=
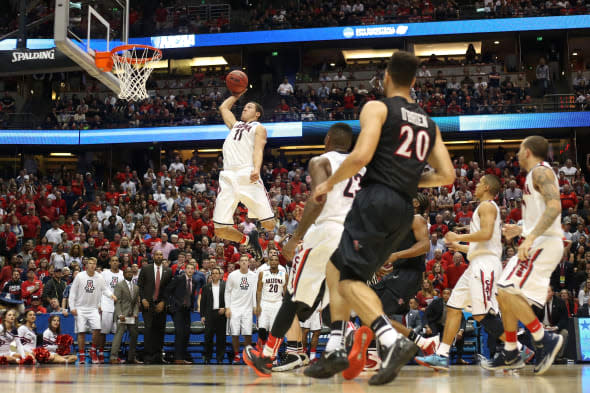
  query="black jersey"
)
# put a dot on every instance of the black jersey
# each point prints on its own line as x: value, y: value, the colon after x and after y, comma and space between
x: 407, y: 137
x: 414, y: 263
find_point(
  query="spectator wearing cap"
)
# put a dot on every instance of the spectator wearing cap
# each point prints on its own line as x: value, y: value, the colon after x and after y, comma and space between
x: 31, y: 287
x: 55, y: 287
x: 36, y: 305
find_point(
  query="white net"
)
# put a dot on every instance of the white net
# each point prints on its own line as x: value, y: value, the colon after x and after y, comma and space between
x: 133, y: 68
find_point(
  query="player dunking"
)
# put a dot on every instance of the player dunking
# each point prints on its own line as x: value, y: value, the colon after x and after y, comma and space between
x: 305, y: 290
x: 397, y: 139
x: 240, y: 179
x: 477, y: 285
x: 526, y: 276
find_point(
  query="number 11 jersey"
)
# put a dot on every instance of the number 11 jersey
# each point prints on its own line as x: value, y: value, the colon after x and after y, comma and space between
x: 238, y: 148
x: 407, y: 137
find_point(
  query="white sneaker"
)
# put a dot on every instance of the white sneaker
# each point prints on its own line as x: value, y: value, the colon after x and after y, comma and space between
x: 304, y: 358
x: 428, y: 346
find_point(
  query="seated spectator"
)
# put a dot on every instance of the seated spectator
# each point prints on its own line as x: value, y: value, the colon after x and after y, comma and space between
x: 438, y: 278
x: 570, y: 303
x: 425, y: 295
x: 455, y: 270
x: 554, y: 317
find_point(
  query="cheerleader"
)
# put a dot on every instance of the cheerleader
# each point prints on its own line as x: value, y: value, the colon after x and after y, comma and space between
x: 8, y: 334
x: 50, y: 342
x: 26, y: 333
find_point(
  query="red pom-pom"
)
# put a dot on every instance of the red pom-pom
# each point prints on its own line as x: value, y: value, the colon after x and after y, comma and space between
x: 42, y: 355
x: 64, y: 344
x: 3, y: 360
x: 28, y: 360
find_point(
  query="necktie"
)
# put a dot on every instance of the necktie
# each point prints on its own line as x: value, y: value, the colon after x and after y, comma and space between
x: 189, y: 292
x: 157, y: 292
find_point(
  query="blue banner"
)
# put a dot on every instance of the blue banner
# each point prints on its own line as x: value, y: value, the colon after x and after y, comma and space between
x: 543, y: 23
x: 218, y: 132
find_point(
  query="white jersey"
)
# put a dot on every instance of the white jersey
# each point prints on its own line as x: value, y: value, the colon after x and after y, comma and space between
x: 533, y: 206
x: 340, y: 199
x: 50, y: 340
x: 111, y: 279
x: 265, y: 267
x: 28, y: 338
x: 87, y: 291
x: 238, y: 148
x: 7, y: 338
x: 240, y: 290
x: 272, y: 286
x: 492, y: 246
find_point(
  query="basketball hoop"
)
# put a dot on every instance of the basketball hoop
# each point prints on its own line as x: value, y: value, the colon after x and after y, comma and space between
x: 132, y: 64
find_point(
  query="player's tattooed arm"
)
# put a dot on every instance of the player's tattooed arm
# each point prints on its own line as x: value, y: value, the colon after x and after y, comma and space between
x: 544, y: 183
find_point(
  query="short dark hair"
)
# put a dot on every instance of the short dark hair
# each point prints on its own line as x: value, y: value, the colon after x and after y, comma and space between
x: 258, y: 108
x: 341, y: 135
x: 402, y: 68
x: 423, y: 203
x: 537, y: 145
x: 493, y: 183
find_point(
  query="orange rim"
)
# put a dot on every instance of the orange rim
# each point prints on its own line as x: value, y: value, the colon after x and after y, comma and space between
x: 134, y: 60
x: 104, y: 61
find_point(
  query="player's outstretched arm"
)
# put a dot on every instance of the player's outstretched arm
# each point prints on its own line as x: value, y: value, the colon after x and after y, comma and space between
x: 440, y: 161
x: 372, y: 118
x: 225, y: 110
x: 319, y: 170
x: 422, y: 245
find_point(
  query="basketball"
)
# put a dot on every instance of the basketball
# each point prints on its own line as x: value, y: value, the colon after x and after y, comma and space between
x: 236, y: 81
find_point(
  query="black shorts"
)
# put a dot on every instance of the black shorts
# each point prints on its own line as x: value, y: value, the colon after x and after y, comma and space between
x: 377, y: 223
x: 403, y: 284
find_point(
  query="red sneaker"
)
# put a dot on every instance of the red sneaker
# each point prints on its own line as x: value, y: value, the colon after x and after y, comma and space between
x: 94, y: 357
x: 236, y: 359
x: 101, y: 357
x: 358, y: 354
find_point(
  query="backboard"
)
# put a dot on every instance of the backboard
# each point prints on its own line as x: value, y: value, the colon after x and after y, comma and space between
x: 85, y: 26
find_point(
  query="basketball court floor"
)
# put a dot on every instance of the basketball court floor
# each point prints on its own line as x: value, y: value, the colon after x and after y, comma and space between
x: 240, y: 379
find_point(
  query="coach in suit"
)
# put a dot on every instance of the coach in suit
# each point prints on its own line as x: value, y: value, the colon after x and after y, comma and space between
x: 126, y: 311
x: 554, y: 317
x: 213, y: 315
x: 152, y: 282
x: 180, y: 296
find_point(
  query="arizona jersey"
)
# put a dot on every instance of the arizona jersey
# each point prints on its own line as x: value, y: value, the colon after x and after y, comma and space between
x: 238, y: 148
x: 28, y: 338
x: 272, y: 286
x: 50, y: 340
x: 492, y: 246
x: 111, y: 279
x: 533, y: 206
x: 240, y: 290
x: 407, y: 137
x: 339, y: 200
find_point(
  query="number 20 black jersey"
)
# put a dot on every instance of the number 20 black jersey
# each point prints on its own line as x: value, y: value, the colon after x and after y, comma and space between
x: 407, y: 137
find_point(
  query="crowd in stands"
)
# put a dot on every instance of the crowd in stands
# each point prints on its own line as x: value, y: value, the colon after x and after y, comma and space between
x: 53, y: 226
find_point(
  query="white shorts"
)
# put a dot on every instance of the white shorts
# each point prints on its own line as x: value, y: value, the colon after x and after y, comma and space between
x: 268, y: 314
x: 309, y: 265
x: 530, y: 278
x: 314, y: 322
x: 476, y: 289
x: 87, y: 320
x: 240, y: 323
x: 107, y: 323
x: 235, y: 187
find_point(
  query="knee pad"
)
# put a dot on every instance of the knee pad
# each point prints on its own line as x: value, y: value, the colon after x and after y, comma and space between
x: 493, y: 325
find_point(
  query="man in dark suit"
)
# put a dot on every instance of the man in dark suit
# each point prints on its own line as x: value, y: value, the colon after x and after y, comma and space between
x: 435, y: 316
x: 554, y: 317
x: 213, y: 315
x: 152, y: 282
x: 563, y: 276
x: 126, y: 312
x: 180, y: 295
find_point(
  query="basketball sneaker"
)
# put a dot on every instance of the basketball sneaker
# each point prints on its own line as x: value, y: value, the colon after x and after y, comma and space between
x: 255, y: 245
x: 304, y: 358
x: 94, y: 357
x: 526, y: 354
x: 261, y: 365
x: 393, y: 358
x: 288, y: 362
x: 546, y: 350
x: 373, y: 362
x: 436, y: 362
x: 237, y: 359
x: 357, y: 357
x: 330, y: 364
x: 429, y: 345
x: 504, y: 360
